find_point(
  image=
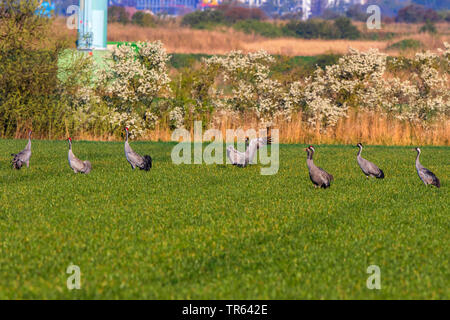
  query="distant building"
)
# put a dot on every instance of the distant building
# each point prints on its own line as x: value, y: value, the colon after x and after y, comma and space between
x: 175, y: 7
x: 171, y: 7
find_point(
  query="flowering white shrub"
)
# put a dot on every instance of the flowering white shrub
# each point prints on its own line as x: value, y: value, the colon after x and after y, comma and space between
x: 120, y: 120
x: 251, y: 89
x: 414, y: 90
x: 359, y: 80
x: 176, y: 117
x: 135, y: 75
x: 136, y: 72
x: 421, y: 97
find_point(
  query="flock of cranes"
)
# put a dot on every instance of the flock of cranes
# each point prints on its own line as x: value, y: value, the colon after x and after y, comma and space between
x: 319, y: 177
x: 322, y: 179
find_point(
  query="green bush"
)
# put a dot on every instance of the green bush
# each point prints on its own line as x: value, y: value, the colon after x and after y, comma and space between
x: 203, y: 19
x: 185, y: 60
x: 308, y: 29
x: 341, y: 28
x: 143, y: 19
x: 118, y: 14
x: 406, y: 44
x: 345, y: 29
x: 265, y: 29
x: 29, y: 84
x: 428, y: 27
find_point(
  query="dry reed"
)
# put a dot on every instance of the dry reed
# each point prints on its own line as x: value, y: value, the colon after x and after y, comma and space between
x: 185, y: 40
x: 366, y: 127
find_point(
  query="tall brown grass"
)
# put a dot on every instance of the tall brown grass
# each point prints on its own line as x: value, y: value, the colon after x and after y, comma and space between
x: 365, y: 127
x: 185, y: 40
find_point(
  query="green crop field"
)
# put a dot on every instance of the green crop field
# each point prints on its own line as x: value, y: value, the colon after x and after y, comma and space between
x: 222, y: 232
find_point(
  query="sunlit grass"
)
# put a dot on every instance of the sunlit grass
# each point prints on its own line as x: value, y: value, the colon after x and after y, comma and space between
x: 217, y: 231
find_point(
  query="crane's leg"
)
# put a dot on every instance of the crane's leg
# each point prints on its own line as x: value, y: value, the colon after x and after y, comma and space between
x: 28, y: 163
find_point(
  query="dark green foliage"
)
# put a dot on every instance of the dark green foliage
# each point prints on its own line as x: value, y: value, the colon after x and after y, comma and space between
x: 203, y: 19
x: 406, y: 44
x: 345, y: 29
x: 143, y: 19
x: 341, y: 28
x: 291, y: 68
x: 249, y: 21
x: 428, y: 27
x: 265, y: 29
x: 29, y: 84
x: 185, y: 60
x: 223, y: 15
x: 118, y: 14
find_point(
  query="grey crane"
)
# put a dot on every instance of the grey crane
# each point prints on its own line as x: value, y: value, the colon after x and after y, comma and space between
x: 23, y: 156
x: 367, y: 167
x: 136, y: 160
x: 76, y: 164
x: 243, y: 159
x: 319, y: 177
x: 426, y: 175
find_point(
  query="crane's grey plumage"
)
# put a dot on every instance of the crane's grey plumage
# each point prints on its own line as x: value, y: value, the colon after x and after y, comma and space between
x: 243, y: 159
x: 23, y: 157
x: 319, y: 177
x: 136, y: 160
x: 367, y: 167
x: 426, y: 175
x: 76, y: 164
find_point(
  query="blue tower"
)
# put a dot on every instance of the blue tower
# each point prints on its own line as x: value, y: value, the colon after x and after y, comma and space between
x: 92, y: 24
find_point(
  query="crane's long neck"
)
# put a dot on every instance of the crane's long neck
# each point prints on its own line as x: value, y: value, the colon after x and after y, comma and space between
x: 360, y: 150
x: 309, y: 161
x: 70, y: 145
x: 28, y: 147
x: 126, y: 139
x: 251, y: 150
x: 417, y: 159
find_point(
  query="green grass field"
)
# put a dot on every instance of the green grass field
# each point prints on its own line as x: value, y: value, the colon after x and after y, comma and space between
x: 222, y: 232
